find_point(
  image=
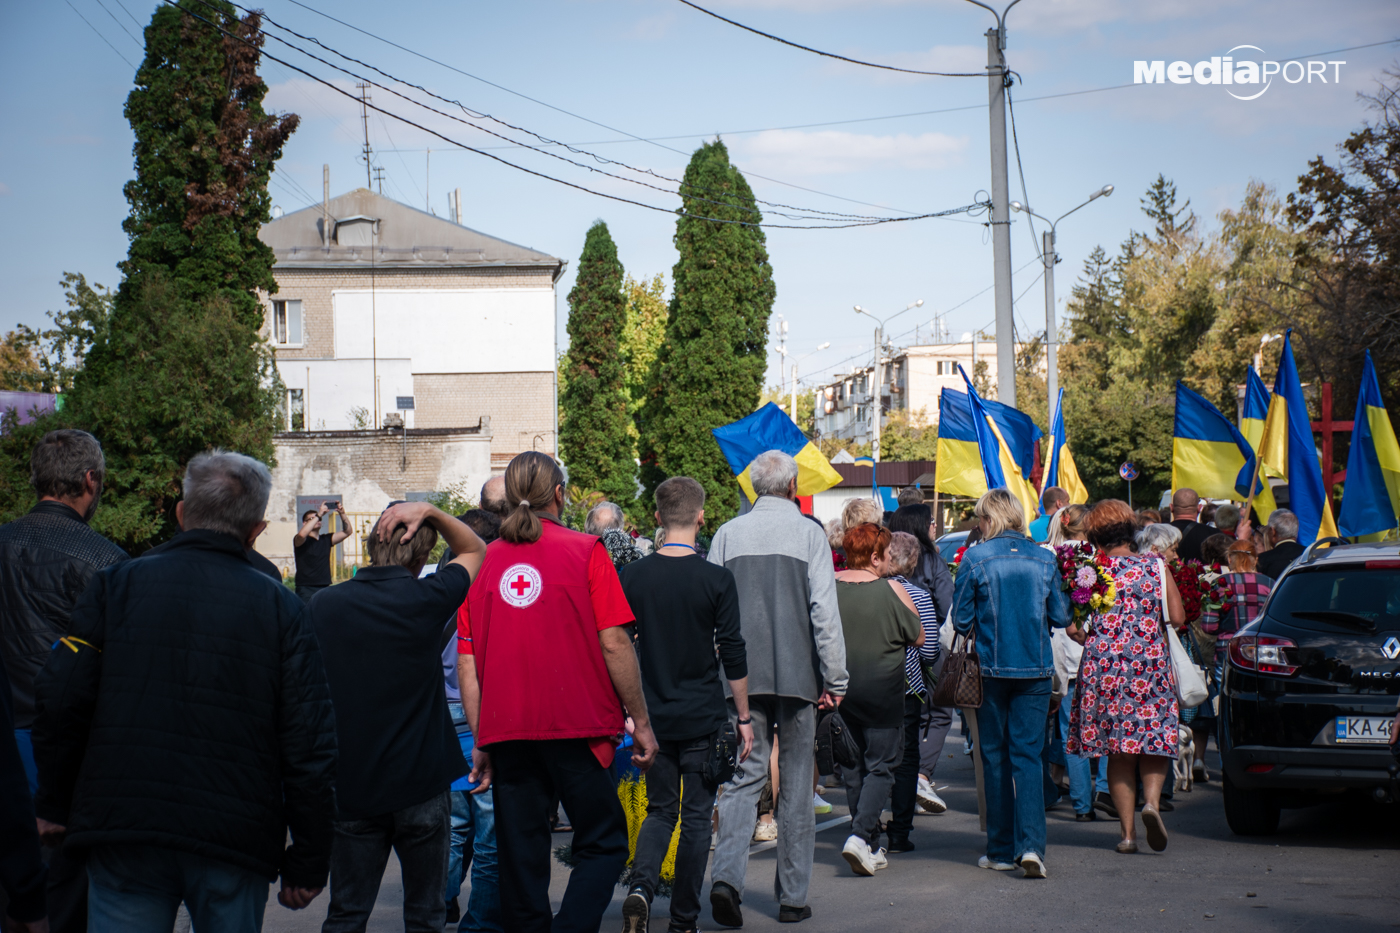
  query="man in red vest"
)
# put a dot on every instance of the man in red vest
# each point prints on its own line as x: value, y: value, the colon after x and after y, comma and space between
x: 546, y: 670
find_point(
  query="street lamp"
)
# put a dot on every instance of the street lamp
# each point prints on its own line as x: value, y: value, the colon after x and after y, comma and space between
x: 1264, y: 341
x: 819, y: 348
x: 875, y: 412
x: 1052, y: 377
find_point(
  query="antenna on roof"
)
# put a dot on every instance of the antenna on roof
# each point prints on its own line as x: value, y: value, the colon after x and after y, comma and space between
x: 364, y: 115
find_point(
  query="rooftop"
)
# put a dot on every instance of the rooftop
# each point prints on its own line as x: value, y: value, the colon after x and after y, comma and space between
x: 367, y: 229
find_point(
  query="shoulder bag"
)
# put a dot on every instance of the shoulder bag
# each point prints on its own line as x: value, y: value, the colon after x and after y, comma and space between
x: 723, y: 758
x: 961, y: 682
x: 1191, y: 690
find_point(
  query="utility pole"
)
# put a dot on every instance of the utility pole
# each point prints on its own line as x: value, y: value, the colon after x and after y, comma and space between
x: 428, y: 184
x: 364, y: 117
x: 326, y: 205
x: 1047, y: 250
x: 1001, y: 215
x: 379, y: 177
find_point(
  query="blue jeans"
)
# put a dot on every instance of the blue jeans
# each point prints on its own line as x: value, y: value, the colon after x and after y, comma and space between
x: 1011, y: 733
x: 474, y: 820
x: 135, y: 889
x: 1081, y: 783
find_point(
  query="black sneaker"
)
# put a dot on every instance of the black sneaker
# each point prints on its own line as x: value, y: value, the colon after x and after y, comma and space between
x: 793, y: 914
x: 636, y: 910
x: 1164, y: 806
x: 1103, y: 802
x: 724, y: 905
x: 899, y: 843
x: 454, y: 911
x: 1086, y: 817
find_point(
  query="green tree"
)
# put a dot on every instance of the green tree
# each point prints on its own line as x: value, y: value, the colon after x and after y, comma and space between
x: 642, y: 337
x: 19, y: 363
x: 709, y: 371
x: 593, y: 416
x: 180, y: 366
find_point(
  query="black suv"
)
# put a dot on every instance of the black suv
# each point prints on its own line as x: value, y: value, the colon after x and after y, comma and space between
x: 1310, y: 689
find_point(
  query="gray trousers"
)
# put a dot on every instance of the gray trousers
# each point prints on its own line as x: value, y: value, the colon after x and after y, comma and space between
x: 868, y: 787
x: 938, y: 719
x: 795, y: 722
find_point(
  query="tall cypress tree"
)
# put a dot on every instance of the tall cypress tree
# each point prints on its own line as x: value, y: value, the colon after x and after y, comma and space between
x: 182, y: 366
x: 593, y: 415
x: 710, y: 368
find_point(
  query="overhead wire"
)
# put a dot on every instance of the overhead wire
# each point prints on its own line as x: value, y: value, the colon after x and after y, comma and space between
x: 100, y: 35
x: 514, y: 143
x: 853, y: 61
x: 576, y: 116
x: 1020, y: 170
x: 128, y: 13
x: 120, y: 24
x: 681, y: 213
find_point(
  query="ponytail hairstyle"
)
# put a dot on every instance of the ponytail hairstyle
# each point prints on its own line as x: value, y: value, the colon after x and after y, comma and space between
x: 531, y: 478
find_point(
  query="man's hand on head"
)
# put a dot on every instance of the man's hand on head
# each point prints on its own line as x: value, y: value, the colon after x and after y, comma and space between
x: 412, y: 515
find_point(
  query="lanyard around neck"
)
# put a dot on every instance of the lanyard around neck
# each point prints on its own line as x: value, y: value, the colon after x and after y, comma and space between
x: 679, y: 544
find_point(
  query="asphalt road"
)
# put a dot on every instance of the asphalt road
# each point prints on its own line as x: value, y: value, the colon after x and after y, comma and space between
x: 1331, y: 867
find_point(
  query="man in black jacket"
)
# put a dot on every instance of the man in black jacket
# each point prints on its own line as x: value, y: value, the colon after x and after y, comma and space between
x: 1285, y: 549
x: 47, y: 558
x: 184, y: 724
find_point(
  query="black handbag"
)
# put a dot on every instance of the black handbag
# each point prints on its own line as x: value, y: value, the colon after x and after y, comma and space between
x: 835, y: 744
x: 723, y: 759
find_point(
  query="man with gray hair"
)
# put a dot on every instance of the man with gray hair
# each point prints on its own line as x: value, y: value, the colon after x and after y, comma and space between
x: 1283, y: 535
x: 47, y: 558
x: 606, y: 521
x: 796, y: 663
x: 184, y: 725
x: 493, y: 496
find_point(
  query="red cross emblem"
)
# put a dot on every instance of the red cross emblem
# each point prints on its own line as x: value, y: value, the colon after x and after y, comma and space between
x: 520, y: 585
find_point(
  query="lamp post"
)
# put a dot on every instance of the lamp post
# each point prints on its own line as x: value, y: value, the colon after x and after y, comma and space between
x: 1052, y: 376
x: 1264, y: 341
x: 819, y: 348
x: 875, y: 412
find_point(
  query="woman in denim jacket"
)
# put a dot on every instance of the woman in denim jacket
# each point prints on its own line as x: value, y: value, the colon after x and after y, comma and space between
x: 1008, y: 594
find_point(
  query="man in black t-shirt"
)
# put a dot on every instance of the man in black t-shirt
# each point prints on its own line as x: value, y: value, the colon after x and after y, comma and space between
x: 397, y: 753
x: 313, y: 551
x: 1186, y: 506
x: 686, y: 607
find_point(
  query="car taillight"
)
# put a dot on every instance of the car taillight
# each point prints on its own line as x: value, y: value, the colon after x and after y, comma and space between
x: 1383, y: 565
x: 1266, y: 654
x: 1259, y: 768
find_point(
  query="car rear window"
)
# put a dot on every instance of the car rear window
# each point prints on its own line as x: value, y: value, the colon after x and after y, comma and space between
x: 1348, y: 596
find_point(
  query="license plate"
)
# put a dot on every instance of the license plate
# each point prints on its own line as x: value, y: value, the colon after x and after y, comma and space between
x: 1364, y: 730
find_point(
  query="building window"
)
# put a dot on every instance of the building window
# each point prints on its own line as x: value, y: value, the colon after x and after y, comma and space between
x: 947, y: 368
x: 286, y: 323
x: 296, y: 410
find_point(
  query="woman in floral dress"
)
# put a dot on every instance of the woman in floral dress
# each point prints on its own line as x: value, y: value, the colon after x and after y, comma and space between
x: 1125, y: 696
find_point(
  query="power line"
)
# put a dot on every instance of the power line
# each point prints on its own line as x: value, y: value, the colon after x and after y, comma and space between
x: 1020, y: 170
x: 514, y: 143
x: 865, y: 223
x: 853, y: 61
x: 120, y: 24
x: 100, y: 35
x: 128, y: 13
x: 576, y: 116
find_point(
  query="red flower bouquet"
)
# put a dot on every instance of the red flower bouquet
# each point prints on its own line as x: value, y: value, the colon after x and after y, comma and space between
x: 1187, y: 576
x: 1084, y: 575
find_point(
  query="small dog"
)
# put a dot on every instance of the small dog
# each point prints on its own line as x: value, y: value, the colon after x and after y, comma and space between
x: 1185, y: 759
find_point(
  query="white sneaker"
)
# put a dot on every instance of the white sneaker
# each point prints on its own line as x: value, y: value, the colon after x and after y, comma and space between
x: 765, y: 832
x: 1032, y: 865
x: 819, y: 804
x: 879, y: 859
x: 928, y: 798
x: 857, y: 853
x: 985, y: 862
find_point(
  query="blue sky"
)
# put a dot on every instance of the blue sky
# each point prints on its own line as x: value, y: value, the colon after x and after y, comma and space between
x: 655, y: 68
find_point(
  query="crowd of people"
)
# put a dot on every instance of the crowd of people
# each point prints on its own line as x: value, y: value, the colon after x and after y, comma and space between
x: 178, y: 718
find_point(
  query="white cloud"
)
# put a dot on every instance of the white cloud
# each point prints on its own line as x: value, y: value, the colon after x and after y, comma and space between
x: 832, y: 152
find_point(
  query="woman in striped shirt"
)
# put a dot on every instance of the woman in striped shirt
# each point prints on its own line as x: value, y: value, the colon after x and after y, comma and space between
x: 904, y: 552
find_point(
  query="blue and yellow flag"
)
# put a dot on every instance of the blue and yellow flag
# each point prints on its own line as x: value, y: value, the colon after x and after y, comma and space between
x: 1000, y: 465
x: 1371, y: 500
x: 1061, y: 471
x: 1211, y: 456
x: 1253, y: 414
x: 1288, y: 446
x: 959, y: 463
x: 770, y: 428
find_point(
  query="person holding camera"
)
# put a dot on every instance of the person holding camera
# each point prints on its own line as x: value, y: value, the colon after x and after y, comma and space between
x: 686, y: 607
x: 312, y: 551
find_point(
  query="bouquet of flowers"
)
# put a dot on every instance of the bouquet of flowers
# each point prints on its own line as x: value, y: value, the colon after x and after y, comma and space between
x: 1194, y: 591
x: 957, y: 558
x: 1214, y: 595
x: 1085, y: 577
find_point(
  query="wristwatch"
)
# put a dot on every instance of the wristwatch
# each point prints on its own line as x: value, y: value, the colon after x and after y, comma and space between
x: 746, y: 722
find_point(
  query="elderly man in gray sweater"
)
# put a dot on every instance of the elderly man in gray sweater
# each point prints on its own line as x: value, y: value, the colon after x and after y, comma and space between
x: 797, y: 663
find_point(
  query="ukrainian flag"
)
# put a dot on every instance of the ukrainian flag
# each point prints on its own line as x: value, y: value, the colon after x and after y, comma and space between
x: 958, y: 471
x: 1000, y: 465
x: 770, y: 428
x: 1210, y: 455
x: 1061, y: 471
x: 1288, y: 446
x: 1256, y: 409
x: 1371, y: 500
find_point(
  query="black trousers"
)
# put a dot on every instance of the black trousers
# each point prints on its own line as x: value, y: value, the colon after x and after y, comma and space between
x: 527, y: 776
x: 67, y: 891
x: 906, y: 773
x: 675, y: 762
